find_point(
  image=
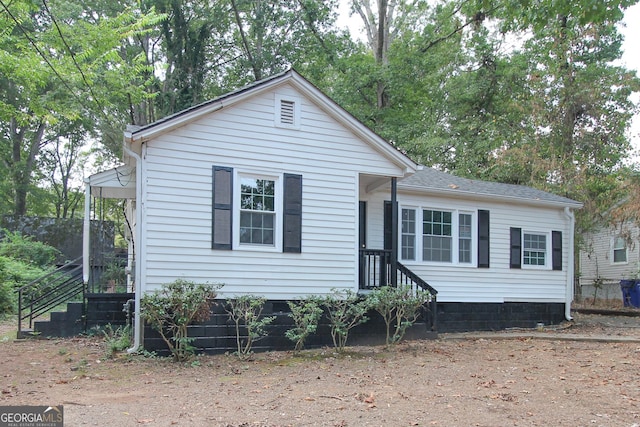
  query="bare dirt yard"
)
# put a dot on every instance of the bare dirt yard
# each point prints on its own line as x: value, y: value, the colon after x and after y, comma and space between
x: 584, y: 373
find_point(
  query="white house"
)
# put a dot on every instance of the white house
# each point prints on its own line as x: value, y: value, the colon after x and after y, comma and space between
x: 609, y: 254
x: 275, y: 190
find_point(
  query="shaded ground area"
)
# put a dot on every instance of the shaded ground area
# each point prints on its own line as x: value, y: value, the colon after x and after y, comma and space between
x: 512, y: 378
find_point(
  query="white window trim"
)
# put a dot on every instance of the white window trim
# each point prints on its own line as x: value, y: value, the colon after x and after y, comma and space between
x: 296, y: 111
x: 547, y: 254
x: 613, y: 248
x: 474, y: 237
x: 277, y: 232
x: 416, y: 250
x: 455, y: 244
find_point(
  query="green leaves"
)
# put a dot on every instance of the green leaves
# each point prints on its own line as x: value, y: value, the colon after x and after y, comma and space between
x: 305, y: 314
x: 399, y: 307
x: 174, y: 307
x: 345, y: 310
x: 250, y: 325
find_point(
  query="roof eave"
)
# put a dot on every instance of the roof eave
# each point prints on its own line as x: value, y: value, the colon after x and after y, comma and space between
x: 153, y: 130
x: 355, y: 125
x: 189, y: 115
x: 492, y: 197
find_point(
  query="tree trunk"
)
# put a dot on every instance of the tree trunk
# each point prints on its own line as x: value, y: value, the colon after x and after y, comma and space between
x: 23, y: 167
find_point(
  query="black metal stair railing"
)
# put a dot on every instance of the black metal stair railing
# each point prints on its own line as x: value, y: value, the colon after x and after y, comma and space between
x: 376, y: 270
x: 407, y: 277
x: 51, y: 290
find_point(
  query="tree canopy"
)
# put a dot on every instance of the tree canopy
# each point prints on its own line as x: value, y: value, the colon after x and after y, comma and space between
x: 492, y: 89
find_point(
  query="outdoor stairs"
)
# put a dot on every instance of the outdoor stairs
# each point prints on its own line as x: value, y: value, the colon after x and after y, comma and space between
x: 60, y: 324
x: 63, y: 286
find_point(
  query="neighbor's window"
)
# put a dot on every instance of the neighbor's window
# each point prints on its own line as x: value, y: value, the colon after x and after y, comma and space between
x: 436, y: 235
x: 408, y: 249
x: 534, y: 249
x: 619, y: 250
x: 257, y: 211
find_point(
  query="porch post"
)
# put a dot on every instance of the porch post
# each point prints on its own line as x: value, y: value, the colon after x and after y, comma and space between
x: 394, y: 232
x: 86, y: 268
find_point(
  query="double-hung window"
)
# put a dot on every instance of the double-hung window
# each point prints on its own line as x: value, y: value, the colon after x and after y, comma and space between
x: 437, y: 232
x: 534, y: 249
x: 619, y: 250
x: 408, y: 235
x: 438, y: 236
x: 254, y: 211
x: 257, y: 211
x: 531, y: 249
x: 465, y: 238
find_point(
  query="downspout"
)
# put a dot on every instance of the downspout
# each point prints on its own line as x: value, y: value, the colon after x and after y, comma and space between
x: 570, y: 264
x: 137, y: 325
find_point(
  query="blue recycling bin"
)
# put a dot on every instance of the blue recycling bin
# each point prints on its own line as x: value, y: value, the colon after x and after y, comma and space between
x: 630, y: 293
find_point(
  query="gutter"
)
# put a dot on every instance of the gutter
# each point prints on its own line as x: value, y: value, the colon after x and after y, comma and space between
x: 137, y: 327
x: 570, y: 265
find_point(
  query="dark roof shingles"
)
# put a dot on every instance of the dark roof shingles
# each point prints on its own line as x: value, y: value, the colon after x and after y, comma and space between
x: 429, y: 178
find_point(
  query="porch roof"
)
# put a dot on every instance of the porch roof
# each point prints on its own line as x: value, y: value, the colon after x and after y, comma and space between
x: 116, y: 183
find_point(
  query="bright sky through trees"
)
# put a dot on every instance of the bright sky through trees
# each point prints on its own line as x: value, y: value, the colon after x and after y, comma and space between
x: 630, y: 57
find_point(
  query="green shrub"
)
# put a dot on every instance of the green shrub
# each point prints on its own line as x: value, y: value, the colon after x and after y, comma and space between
x: 345, y: 310
x: 23, y: 248
x: 19, y: 273
x: 7, y: 300
x: 13, y: 275
x: 246, y: 311
x: 399, y: 307
x: 306, y: 315
x: 174, y: 307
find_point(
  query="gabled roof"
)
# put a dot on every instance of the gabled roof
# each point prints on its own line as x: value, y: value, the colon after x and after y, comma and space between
x: 116, y: 183
x: 432, y: 181
x: 145, y: 133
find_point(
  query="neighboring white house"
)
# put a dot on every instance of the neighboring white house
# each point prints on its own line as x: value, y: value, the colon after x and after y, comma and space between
x: 275, y: 190
x: 607, y: 256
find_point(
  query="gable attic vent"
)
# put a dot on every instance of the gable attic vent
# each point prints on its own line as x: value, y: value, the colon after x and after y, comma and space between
x: 287, y: 112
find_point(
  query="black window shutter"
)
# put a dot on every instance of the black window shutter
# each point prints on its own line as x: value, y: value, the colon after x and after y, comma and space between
x: 516, y: 248
x: 483, y: 239
x: 556, y: 250
x: 222, y: 214
x: 292, y: 220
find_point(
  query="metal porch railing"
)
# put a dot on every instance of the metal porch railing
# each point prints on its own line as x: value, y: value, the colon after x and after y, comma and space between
x: 51, y: 290
x: 376, y: 270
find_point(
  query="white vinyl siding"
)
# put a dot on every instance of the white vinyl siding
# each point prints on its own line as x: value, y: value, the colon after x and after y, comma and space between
x: 178, y: 184
x: 597, y: 260
x: 498, y: 283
